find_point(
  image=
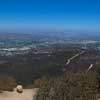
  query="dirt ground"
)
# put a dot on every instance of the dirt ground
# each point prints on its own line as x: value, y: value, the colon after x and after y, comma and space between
x: 27, y: 94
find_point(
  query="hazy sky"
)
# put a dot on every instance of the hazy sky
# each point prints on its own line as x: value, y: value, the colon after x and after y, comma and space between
x: 50, y: 14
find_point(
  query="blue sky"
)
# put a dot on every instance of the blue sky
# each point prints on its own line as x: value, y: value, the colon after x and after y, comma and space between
x: 50, y: 14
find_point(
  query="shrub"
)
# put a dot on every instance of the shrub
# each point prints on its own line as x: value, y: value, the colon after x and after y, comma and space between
x: 7, y: 83
x: 79, y: 86
x: 41, y: 82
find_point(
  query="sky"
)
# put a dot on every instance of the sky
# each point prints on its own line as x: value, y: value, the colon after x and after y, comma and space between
x: 50, y: 14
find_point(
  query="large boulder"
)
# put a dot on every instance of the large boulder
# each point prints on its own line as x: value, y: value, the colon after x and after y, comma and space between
x: 19, y: 88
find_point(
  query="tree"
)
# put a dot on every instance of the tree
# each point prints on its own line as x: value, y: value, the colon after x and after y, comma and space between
x: 79, y: 86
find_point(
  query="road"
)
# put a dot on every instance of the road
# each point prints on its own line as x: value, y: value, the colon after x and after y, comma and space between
x: 27, y: 94
x: 90, y: 67
x: 75, y: 56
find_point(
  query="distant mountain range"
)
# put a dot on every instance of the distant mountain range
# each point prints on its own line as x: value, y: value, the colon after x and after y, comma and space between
x: 36, y: 35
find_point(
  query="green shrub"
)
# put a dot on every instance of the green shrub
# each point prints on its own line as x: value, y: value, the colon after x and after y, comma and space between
x: 79, y: 86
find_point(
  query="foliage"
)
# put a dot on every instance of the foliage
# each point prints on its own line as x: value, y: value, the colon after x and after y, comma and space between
x: 79, y: 86
x: 7, y: 83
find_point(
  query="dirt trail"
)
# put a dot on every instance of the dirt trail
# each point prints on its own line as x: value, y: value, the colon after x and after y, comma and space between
x: 27, y: 94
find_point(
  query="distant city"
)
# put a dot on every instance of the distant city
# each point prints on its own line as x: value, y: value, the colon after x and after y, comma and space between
x: 24, y: 43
